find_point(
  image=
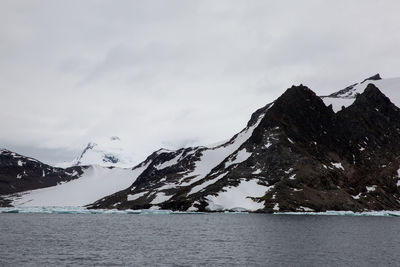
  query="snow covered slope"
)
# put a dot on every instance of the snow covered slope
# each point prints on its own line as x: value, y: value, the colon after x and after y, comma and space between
x: 345, y: 97
x: 107, y: 152
x: 169, y: 171
x: 96, y: 182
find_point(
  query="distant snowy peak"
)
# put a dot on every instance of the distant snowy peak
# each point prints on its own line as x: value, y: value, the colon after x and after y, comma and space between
x: 109, y: 152
x: 345, y: 97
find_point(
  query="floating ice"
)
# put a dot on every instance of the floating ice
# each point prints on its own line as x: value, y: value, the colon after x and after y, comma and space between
x: 346, y: 213
x: 83, y: 210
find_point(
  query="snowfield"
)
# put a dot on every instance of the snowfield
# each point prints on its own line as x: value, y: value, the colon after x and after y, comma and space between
x: 96, y: 183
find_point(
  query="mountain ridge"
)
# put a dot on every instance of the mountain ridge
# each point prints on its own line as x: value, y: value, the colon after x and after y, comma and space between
x: 297, y: 153
x: 307, y: 149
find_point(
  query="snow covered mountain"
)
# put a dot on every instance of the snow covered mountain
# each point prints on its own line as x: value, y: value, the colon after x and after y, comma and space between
x: 19, y: 173
x: 25, y: 181
x: 108, y: 152
x: 295, y: 154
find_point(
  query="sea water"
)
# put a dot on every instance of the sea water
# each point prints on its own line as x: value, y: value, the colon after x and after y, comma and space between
x: 159, y: 238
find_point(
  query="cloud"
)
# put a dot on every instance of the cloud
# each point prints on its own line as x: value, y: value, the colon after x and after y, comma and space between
x: 173, y: 73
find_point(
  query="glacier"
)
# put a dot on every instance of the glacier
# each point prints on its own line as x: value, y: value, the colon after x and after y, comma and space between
x: 95, y: 183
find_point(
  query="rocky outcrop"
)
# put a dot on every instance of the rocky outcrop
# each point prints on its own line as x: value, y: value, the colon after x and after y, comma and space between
x: 19, y: 173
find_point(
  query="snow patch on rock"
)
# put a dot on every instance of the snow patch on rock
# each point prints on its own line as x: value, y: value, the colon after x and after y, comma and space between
x: 169, y: 163
x: 239, y: 197
x: 199, y: 187
x: 241, y: 155
x: 371, y: 188
x: 136, y: 196
x: 160, y: 198
x: 337, y: 165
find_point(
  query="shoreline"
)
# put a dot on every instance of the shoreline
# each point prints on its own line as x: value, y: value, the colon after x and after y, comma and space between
x: 83, y: 210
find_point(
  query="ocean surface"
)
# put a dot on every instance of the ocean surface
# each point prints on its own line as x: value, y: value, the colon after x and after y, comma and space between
x: 197, y: 240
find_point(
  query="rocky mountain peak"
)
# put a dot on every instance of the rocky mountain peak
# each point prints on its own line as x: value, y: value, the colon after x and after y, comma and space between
x: 374, y: 98
x: 298, y: 97
x: 375, y: 77
x: 300, y: 112
x: 297, y: 91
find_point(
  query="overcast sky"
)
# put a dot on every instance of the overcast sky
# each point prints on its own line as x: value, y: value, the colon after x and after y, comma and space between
x: 174, y: 73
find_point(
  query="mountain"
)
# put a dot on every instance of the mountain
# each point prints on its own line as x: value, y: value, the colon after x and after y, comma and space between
x: 19, y: 173
x: 296, y: 154
x: 25, y: 181
x: 108, y: 152
x: 299, y: 153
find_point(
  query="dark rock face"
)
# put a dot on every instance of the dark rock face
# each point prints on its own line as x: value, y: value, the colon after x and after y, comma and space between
x: 309, y: 157
x: 19, y: 173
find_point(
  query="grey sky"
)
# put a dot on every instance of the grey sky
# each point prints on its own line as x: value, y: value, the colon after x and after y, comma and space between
x: 174, y: 73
